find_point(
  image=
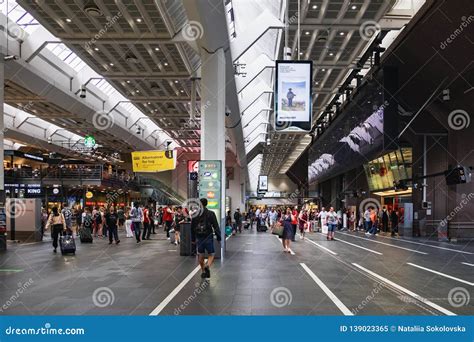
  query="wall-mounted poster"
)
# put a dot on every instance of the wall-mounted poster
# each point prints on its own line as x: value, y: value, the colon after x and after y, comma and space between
x: 262, y: 183
x: 293, y: 100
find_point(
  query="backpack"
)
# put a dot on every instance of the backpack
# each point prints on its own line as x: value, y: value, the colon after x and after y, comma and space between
x: 88, y: 221
x: 98, y: 218
x: 203, y: 228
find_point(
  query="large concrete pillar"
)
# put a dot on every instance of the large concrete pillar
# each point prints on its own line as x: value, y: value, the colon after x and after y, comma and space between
x: 213, y: 137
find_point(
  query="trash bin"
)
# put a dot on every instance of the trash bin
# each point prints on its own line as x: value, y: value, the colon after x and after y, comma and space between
x: 186, y: 246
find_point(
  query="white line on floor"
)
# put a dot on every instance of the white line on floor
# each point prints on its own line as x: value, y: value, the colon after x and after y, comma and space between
x: 408, y: 292
x: 176, y: 290
x: 427, y: 245
x: 173, y: 293
x: 353, y: 244
x: 468, y: 264
x: 441, y: 274
x: 383, y: 243
x: 320, y: 246
x: 328, y: 292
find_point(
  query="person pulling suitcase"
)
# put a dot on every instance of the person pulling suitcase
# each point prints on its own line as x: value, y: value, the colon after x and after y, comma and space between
x: 57, y: 223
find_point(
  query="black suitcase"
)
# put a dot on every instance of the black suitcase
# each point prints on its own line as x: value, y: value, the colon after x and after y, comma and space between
x: 67, y: 244
x: 85, y: 235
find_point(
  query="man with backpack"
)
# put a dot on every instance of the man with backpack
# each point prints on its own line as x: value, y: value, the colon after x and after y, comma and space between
x: 205, y: 226
x: 238, y: 220
x: 136, y: 214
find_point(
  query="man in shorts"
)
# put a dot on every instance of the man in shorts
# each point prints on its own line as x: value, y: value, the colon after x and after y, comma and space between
x: 204, y: 227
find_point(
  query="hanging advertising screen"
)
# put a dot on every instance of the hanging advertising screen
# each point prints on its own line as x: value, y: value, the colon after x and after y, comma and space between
x: 262, y: 183
x: 153, y: 161
x: 293, y: 100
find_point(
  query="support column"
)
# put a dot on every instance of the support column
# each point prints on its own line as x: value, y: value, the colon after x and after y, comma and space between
x: 213, y: 138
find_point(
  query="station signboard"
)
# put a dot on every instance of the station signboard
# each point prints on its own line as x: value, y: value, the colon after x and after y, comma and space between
x: 210, y: 187
x: 153, y: 161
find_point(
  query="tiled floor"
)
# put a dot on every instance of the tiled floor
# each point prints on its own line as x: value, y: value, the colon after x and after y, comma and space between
x: 256, y: 278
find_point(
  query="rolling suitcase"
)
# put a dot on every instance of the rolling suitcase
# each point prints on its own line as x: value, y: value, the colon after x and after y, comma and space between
x: 172, y: 236
x: 85, y: 235
x: 67, y: 244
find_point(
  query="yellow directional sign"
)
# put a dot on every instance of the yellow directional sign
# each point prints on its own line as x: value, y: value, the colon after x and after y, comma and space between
x: 153, y: 161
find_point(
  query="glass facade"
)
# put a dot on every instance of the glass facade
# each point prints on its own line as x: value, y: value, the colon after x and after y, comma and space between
x: 392, y: 167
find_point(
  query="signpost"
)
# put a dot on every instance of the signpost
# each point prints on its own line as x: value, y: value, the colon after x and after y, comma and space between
x: 210, y: 187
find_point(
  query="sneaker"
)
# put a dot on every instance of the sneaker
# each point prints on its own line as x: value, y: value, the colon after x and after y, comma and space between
x: 168, y: 238
x: 54, y: 250
x: 175, y: 243
x: 208, y: 272
x: 117, y: 242
x: 203, y: 274
x: 368, y: 234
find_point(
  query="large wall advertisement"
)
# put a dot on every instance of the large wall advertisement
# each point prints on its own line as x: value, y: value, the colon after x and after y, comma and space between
x: 293, y: 100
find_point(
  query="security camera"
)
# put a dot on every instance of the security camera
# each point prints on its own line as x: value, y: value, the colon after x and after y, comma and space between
x: 50, y: 140
x: 10, y: 58
x: 227, y: 113
x: 82, y: 94
x: 269, y: 142
x: 139, y: 130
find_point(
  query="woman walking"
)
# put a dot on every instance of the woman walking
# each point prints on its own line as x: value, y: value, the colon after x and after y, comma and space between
x: 288, y: 232
x: 58, y: 224
x: 179, y: 219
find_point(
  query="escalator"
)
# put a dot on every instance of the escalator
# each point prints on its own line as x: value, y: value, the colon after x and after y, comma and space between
x: 160, y: 192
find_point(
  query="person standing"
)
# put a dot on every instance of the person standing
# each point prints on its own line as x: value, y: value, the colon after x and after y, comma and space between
x: 367, y: 221
x: 323, y: 217
x: 151, y: 214
x: 67, y: 213
x: 179, y: 219
x: 205, y: 226
x: 303, y: 222
x: 294, y: 221
x: 146, y: 224
x: 332, y: 223
x: 384, y: 219
x: 121, y: 217
x: 111, y: 223
x: 373, y: 223
x: 128, y: 223
x: 394, y: 220
x: 273, y: 217
x: 238, y: 220
x: 168, y: 219
x: 257, y: 218
x: 57, y: 223
x: 136, y: 214
x: 290, y: 95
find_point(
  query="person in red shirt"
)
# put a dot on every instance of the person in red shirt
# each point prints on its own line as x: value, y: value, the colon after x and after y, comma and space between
x: 146, y: 224
x: 294, y: 221
x: 168, y: 219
